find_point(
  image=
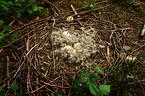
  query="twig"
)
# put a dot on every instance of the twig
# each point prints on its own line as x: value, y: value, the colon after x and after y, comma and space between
x: 53, y: 59
x: 20, y: 37
x: 53, y: 6
x: 45, y: 85
x: 108, y: 54
x: 8, y: 74
x: 91, y: 10
x: 13, y: 55
x: 31, y: 49
x: 27, y: 43
x: 76, y: 14
x: 53, y: 85
x: 143, y: 31
x: 125, y: 85
x: 54, y: 10
x: 53, y: 22
x: 74, y: 10
x: 19, y: 68
x: 138, y: 49
x: 104, y: 20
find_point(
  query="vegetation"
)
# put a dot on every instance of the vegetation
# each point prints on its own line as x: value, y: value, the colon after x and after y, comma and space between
x: 86, y: 82
x: 17, y: 8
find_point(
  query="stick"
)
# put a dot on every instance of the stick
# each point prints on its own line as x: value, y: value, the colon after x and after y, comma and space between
x: 8, y: 74
x: 45, y: 85
x: 74, y: 9
x: 31, y: 49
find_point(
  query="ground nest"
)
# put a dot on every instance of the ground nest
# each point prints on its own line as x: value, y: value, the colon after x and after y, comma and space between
x: 37, y: 63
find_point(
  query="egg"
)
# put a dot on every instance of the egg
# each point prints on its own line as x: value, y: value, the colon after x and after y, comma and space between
x: 69, y: 19
x: 131, y: 59
x: 122, y: 56
x: 68, y: 48
x: 66, y: 35
x: 77, y: 45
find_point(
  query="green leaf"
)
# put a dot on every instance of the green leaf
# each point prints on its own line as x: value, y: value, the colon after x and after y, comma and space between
x: 93, y: 66
x: 83, y: 79
x: 93, y: 77
x: 1, y: 22
x: 14, y: 87
x: 35, y: 8
x: 81, y: 73
x: 31, y: 1
x: 7, y: 34
x: 39, y: 8
x: 59, y: 95
x: 75, y: 83
x: 29, y: 11
x: 87, y: 85
x: 19, y: 14
x: 19, y: 35
x: 1, y: 63
x: 104, y: 89
x: 93, y: 6
x: 10, y: 2
x: 19, y: 94
x: 98, y: 69
x: 2, y: 35
x: 93, y: 89
x: 87, y: 69
x: 86, y: 4
x: 7, y: 28
x: 5, y: 8
x: 13, y: 37
x: 2, y: 92
x: 18, y: 5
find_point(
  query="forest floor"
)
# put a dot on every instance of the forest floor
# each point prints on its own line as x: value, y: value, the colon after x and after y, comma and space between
x: 118, y: 18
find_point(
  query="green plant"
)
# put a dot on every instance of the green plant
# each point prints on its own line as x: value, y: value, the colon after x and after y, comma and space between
x: 45, y: 12
x: 2, y: 91
x: 15, y: 36
x: 132, y: 1
x: 2, y: 35
x: 12, y: 38
x: 92, y: 6
x: 14, y: 8
x: 19, y: 7
x: 85, y: 83
x: 1, y: 22
x: 14, y: 87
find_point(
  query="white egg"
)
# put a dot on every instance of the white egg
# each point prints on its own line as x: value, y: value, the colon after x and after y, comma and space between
x: 68, y: 48
x: 66, y: 34
x: 77, y: 45
x: 69, y: 18
x: 131, y: 59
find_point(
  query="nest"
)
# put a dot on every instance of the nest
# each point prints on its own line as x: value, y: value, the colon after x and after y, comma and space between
x: 35, y: 66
